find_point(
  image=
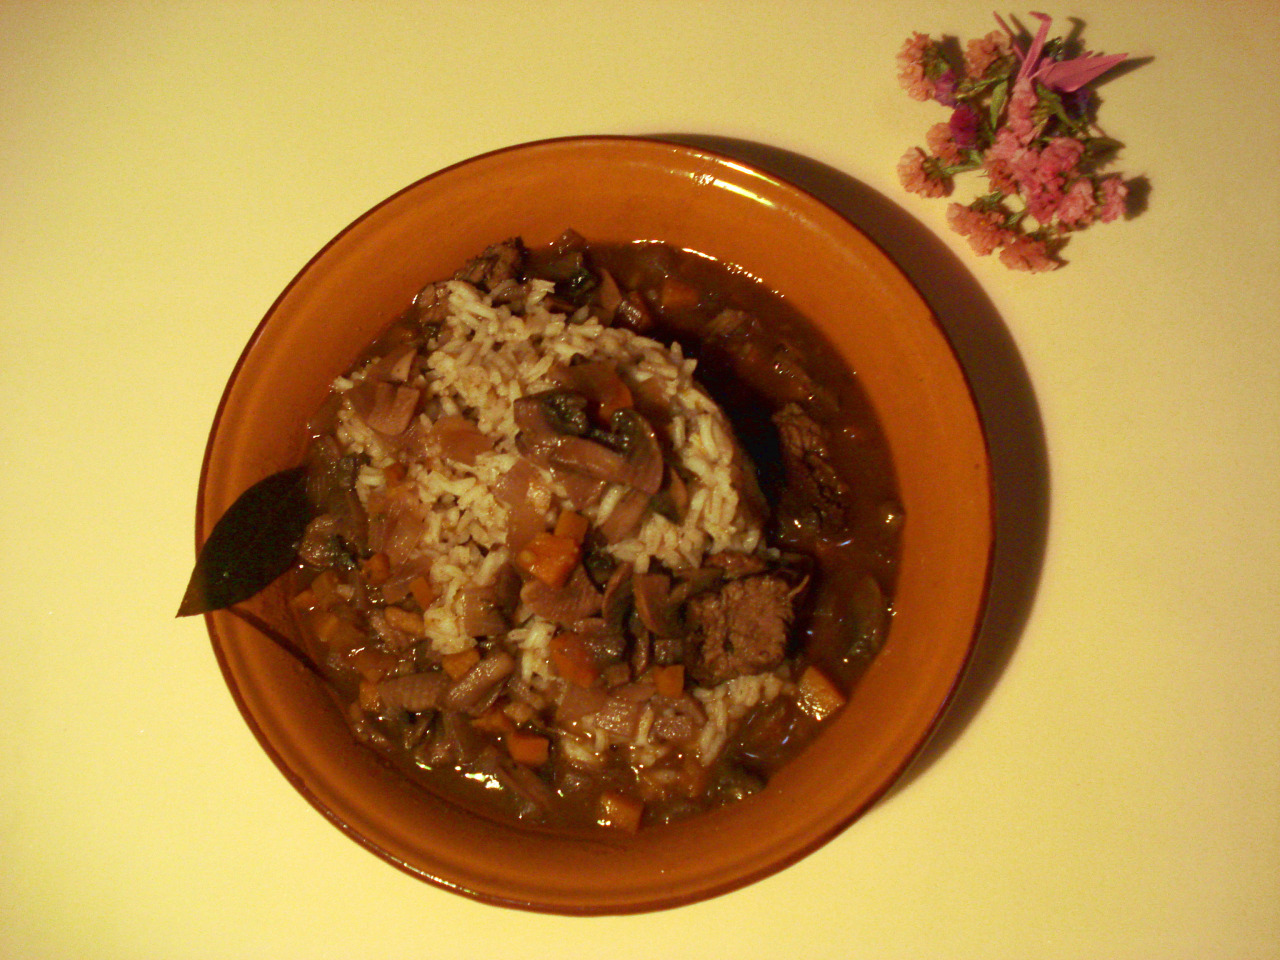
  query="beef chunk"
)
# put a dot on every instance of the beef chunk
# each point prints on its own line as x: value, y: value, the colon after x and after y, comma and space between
x: 739, y: 629
x: 431, y: 305
x: 815, y: 498
x: 499, y: 262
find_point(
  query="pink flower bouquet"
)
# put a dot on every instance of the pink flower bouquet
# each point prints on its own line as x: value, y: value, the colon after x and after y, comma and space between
x: 1021, y: 115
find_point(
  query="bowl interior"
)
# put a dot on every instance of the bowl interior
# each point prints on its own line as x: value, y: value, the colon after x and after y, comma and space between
x: 613, y: 190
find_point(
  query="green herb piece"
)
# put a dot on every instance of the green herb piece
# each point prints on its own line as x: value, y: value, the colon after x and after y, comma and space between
x: 253, y: 543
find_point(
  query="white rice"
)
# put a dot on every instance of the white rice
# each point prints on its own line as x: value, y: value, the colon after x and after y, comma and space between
x: 484, y: 359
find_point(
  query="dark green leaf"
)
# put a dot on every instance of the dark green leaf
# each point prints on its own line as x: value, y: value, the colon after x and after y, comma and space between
x: 254, y: 543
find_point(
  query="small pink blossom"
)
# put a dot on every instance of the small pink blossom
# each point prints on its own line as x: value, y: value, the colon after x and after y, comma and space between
x: 980, y: 54
x: 942, y: 144
x: 1029, y: 254
x: 1076, y: 208
x: 1114, y: 198
x: 1000, y: 160
x: 1060, y: 157
x: 1043, y: 175
x: 984, y: 229
x: 911, y: 67
x: 916, y: 176
x: 1022, y: 101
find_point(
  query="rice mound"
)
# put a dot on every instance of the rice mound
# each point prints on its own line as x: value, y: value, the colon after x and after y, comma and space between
x: 485, y: 357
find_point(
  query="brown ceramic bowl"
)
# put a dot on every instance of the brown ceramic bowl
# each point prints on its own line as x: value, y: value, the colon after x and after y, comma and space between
x: 616, y: 189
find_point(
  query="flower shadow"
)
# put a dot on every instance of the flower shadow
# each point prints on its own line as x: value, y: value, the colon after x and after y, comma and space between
x: 1001, y: 386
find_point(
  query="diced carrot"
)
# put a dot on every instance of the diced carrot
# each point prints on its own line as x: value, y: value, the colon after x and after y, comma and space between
x: 325, y: 588
x: 370, y: 701
x: 519, y: 711
x: 401, y: 619
x: 572, y: 525
x: 669, y: 680
x: 528, y: 748
x: 494, y: 720
x: 424, y: 591
x: 677, y: 295
x: 620, y: 812
x: 377, y: 568
x: 573, y: 660
x: 457, y: 664
x: 549, y: 558
x: 338, y: 632
x: 818, y: 695
x: 372, y: 664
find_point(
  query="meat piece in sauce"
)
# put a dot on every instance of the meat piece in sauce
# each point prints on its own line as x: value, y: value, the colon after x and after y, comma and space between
x: 499, y: 263
x: 740, y: 629
x: 815, y: 497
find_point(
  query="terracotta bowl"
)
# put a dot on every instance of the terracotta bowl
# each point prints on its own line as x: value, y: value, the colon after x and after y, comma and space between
x: 615, y: 189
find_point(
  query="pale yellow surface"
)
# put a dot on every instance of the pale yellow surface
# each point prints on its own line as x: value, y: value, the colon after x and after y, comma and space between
x: 166, y: 169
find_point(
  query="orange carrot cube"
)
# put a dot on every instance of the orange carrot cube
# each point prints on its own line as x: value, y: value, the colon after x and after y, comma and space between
x: 818, y: 695
x: 572, y: 526
x: 573, y: 659
x: 528, y: 748
x: 669, y: 680
x: 424, y: 591
x: 456, y: 665
x: 377, y: 568
x: 619, y: 811
x: 549, y: 558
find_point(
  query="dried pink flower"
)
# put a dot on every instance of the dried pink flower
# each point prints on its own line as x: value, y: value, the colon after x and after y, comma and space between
x: 911, y: 67
x: 1024, y: 119
x: 984, y: 229
x: 1022, y: 103
x: 1060, y: 157
x: 980, y: 54
x: 1114, y: 198
x: 1077, y: 206
x: 1029, y: 254
x: 919, y: 175
x: 1043, y: 175
x: 943, y: 144
x: 1000, y: 159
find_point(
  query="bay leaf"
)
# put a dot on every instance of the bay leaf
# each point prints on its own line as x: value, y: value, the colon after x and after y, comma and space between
x: 252, y: 544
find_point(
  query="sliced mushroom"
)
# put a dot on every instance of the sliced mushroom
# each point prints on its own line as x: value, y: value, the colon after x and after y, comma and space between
x: 616, y: 604
x: 653, y: 604
x: 577, y: 600
x: 645, y: 468
x: 392, y: 408
x: 491, y: 670
x: 414, y: 692
x: 626, y: 517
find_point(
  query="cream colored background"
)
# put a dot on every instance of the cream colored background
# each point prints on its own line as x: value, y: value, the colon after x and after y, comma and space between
x: 166, y: 169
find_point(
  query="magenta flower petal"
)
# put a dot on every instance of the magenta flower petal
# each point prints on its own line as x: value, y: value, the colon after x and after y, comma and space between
x: 1031, y: 61
x: 1070, y: 75
x: 944, y: 89
x: 964, y: 126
